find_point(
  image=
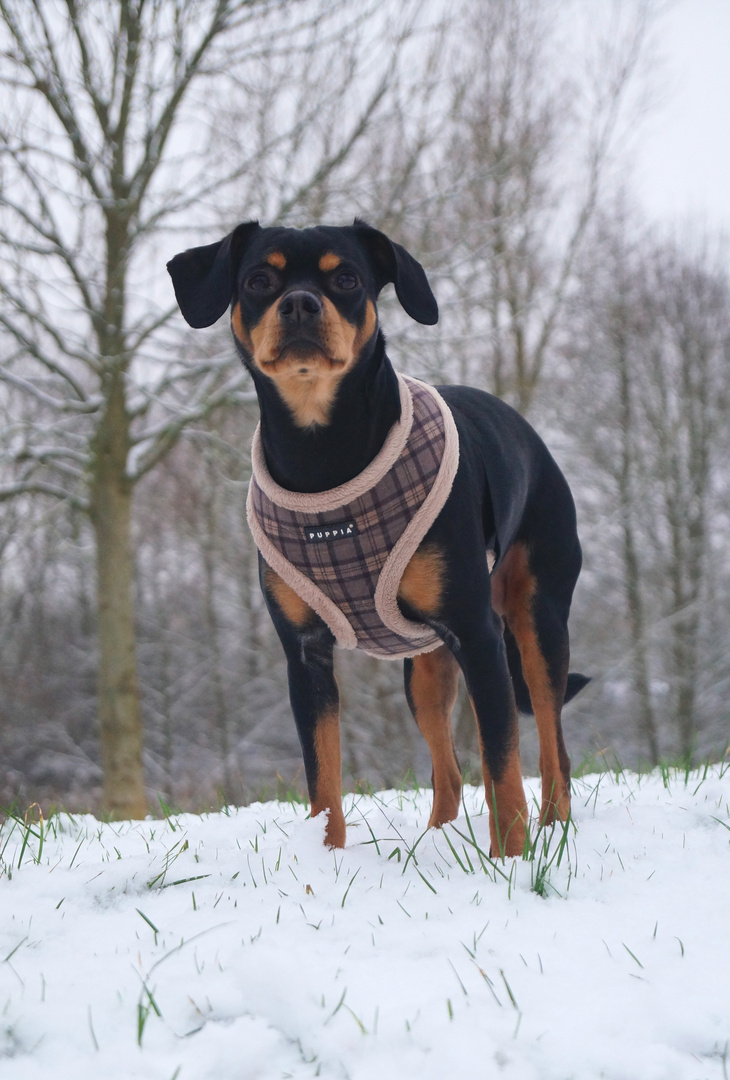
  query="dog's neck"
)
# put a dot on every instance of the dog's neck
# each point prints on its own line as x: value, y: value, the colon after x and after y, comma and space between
x: 323, y: 456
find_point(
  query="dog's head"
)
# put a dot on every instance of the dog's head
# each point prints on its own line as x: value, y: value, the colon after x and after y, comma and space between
x: 303, y: 301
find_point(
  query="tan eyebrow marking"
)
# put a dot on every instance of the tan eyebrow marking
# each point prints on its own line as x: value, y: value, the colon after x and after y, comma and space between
x: 276, y: 259
x: 329, y: 261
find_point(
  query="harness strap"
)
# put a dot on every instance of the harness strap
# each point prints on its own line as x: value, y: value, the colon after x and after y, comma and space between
x: 344, y: 551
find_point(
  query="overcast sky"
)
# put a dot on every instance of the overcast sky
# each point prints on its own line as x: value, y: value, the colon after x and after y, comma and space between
x: 683, y: 166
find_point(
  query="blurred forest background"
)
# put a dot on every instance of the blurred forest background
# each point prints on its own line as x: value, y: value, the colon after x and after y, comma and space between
x: 491, y: 137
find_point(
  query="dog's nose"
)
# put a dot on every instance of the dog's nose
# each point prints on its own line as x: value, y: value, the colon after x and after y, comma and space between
x: 300, y: 307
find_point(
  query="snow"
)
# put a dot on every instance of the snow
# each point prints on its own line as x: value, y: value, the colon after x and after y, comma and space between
x: 236, y: 945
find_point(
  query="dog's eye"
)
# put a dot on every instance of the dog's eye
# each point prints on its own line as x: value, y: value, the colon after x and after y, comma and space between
x: 346, y: 280
x: 260, y: 281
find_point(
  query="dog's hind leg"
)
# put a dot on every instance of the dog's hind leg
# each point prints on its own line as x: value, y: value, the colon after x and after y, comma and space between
x: 484, y: 664
x: 482, y: 658
x: 431, y: 681
x: 539, y: 622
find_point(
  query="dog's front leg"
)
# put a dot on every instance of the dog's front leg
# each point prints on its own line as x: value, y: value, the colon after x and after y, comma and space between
x: 315, y: 698
x: 315, y: 702
x: 431, y: 682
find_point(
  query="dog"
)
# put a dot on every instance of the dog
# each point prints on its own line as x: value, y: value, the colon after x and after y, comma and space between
x: 486, y: 586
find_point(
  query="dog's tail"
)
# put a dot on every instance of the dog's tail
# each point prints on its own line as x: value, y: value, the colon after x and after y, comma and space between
x: 576, y: 682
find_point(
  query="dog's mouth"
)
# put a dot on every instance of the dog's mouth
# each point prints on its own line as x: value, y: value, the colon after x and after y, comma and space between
x: 303, y: 356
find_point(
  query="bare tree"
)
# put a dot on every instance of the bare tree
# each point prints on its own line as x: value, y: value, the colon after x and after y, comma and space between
x: 538, y: 117
x: 102, y: 104
x: 607, y: 352
x: 652, y: 351
x: 684, y: 399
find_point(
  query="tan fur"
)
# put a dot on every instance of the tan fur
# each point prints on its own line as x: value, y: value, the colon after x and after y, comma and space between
x: 275, y: 258
x: 293, y: 607
x: 432, y: 690
x: 309, y: 394
x: 308, y: 382
x: 367, y: 329
x: 329, y: 261
x: 513, y: 588
x: 265, y: 338
x: 505, y: 800
x: 328, y: 794
x: 338, y: 335
x: 423, y: 581
x: 239, y: 329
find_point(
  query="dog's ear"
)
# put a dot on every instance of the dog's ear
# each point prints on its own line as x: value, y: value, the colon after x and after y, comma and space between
x: 203, y: 277
x: 391, y: 262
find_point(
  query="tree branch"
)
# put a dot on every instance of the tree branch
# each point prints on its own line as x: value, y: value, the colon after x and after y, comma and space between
x: 13, y: 491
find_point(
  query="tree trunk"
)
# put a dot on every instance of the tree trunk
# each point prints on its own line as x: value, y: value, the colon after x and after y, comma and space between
x: 685, y: 635
x: 647, y: 721
x: 632, y: 570
x: 119, y: 711
x: 685, y: 660
x: 215, y: 654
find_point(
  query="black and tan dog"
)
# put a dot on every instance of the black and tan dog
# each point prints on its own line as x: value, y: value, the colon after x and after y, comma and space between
x: 304, y: 319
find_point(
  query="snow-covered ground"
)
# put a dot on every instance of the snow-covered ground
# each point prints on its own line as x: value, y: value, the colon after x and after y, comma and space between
x: 235, y: 946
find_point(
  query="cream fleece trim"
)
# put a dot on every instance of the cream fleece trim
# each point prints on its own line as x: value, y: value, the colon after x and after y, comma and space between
x: 386, y: 592
x: 406, y: 651
x: 319, y: 501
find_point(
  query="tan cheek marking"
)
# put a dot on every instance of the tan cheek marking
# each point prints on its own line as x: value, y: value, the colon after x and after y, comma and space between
x: 343, y: 340
x: 368, y: 328
x: 239, y: 329
x: 329, y: 262
x: 265, y: 337
x: 423, y: 581
x: 338, y: 335
x: 328, y: 794
x: 275, y: 258
x: 293, y: 607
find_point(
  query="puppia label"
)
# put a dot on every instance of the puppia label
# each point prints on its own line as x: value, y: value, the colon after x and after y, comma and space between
x: 319, y: 534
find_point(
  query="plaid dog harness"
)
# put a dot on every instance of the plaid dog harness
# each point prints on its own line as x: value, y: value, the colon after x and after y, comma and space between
x: 344, y: 551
